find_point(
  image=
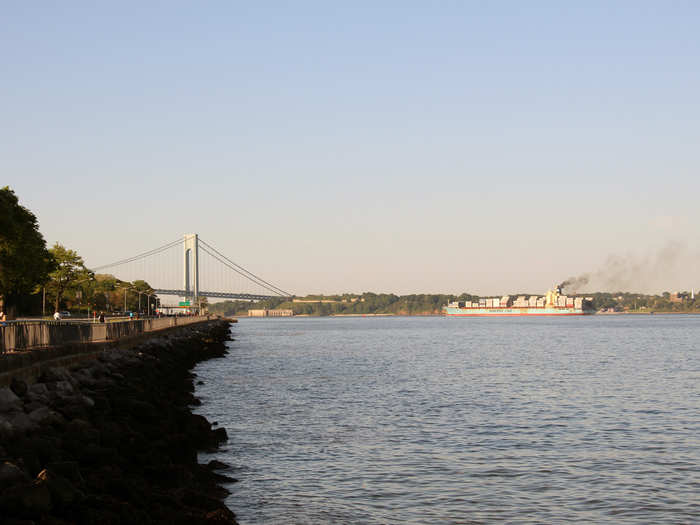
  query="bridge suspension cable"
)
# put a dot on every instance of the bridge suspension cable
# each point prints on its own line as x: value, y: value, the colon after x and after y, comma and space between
x: 242, y: 271
x: 149, y: 253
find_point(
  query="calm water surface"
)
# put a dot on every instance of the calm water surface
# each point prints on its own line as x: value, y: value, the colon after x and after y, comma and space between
x: 435, y: 420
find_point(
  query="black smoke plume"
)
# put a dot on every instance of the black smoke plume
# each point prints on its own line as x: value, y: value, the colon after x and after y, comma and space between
x: 674, y: 267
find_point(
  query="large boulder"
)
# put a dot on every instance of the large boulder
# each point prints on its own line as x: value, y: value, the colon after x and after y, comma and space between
x: 87, y: 401
x: 44, y: 415
x: 84, y: 377
x: 63, y: 388
x: 11, y: 474
x: 62, y: 491
x: 68, y: 469
x: 8, y: 400
x: 26, y: 501
x: 6, y: 430
x: 55, y: 374
x: 39, y: 389
x: 221, y: 515
x: 80, y: 433
x: 21, y: 422
x: 38, y: 392
x: 19, y: 387
x: 71, y: 407
x: 37, y: 500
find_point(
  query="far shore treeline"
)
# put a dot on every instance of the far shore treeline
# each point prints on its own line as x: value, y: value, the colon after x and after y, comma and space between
x: 431, y: 304
x: 35, y: 279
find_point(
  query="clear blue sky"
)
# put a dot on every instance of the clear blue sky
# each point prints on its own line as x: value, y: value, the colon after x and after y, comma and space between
x: 383, y: 146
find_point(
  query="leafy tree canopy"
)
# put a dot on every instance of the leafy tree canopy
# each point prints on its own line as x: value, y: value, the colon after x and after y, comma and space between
x: 70, y: 270
x: 25, y: 262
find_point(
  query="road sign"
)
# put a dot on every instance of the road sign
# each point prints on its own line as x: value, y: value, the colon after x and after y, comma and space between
x: 184, y: 303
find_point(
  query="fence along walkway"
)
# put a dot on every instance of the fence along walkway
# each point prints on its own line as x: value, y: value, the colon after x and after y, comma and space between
x: 17, y: 337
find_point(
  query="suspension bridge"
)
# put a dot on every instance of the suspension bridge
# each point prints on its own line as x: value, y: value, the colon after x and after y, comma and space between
x: 190, y: 267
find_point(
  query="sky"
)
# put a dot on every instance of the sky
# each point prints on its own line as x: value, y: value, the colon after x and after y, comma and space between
x: 330, y: 147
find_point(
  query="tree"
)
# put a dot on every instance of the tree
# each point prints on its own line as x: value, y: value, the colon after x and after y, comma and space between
x: 25, y: 262
x: 141, y: 303
x: 70, y: 269
x: 203, y: 304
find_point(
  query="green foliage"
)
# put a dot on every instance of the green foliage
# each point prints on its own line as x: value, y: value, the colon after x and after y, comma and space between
x: 25, y: 262
x: 106, y: 293
x: 347, y: 304
x: 642, y: 303
x: 69, y: 270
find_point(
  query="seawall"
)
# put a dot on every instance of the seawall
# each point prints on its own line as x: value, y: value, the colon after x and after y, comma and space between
x: 28, y: 348
x: 113, y: 441
x: 28, y: 335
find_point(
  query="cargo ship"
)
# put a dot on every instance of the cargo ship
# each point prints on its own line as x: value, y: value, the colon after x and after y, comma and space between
x: 553, y: 303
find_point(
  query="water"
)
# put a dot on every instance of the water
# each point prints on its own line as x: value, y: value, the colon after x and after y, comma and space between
x: 434, y: 420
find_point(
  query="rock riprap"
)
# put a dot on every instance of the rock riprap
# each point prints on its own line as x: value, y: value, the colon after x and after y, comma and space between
x: 115, y: 441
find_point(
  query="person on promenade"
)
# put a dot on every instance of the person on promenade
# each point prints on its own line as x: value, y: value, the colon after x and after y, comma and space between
x: 57, y: 316
x: 102, y: 317
x: 3, y: 318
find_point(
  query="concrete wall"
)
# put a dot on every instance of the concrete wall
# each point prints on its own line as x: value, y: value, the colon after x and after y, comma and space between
x: 17, y: 337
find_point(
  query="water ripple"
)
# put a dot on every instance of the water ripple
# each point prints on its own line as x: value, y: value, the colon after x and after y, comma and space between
x: 428, y: 420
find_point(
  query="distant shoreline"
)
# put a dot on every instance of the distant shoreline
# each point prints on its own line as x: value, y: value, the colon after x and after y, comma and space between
x: 443, y: 315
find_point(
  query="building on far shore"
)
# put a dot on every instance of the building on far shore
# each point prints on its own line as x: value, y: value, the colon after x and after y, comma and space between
x: 270, y: 313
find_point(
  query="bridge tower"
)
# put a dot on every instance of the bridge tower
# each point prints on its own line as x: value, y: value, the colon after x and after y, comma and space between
x: 191, y: 266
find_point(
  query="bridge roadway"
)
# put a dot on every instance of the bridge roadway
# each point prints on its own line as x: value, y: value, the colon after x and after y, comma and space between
x: 222, y: 295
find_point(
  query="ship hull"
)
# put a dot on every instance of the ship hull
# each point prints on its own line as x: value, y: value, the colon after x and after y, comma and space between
x: 452, y: 311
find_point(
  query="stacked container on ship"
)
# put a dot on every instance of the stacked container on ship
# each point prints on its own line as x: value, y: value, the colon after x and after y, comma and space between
x: 553, y: 303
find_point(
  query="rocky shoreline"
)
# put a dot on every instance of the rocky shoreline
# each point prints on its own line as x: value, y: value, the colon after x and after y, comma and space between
x: 115, y: 441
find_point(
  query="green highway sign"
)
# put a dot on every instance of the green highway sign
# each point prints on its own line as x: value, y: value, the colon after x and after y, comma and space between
x: 184, y: 303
